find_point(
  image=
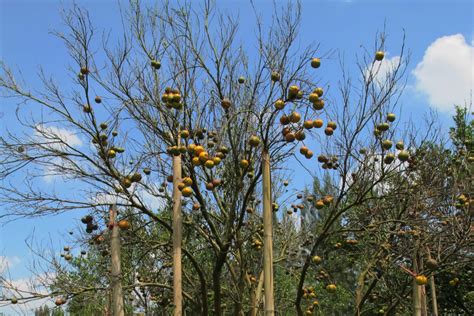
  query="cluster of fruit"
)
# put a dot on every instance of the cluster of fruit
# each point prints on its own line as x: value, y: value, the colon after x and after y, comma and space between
x: 200, y: 156
x: 89, y: 221
x: 128, y: 180
x: 325, y: 201
x: 172, y: 98
x: 387, y: 144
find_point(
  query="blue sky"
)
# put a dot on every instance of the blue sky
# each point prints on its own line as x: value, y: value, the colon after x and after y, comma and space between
x: 439, y: 37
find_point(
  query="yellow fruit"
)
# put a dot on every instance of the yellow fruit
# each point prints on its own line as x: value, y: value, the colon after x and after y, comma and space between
x: 209, y: 164
x: 319, y: 91
x: 318, y: 105
x: 184, y: 133
x: 216, y: 160
x: 403, y: 155
x: 304, y: 150
x: 391, y: 117
x: 421, y: 279
x: 453, y: 282
x: 226, y: 103
x: 295, y: 117
x: 188, y: 181
x: 328, y: 131
x: 280, y: 104
x: 196, y: 161
x: 275, y: 76
x: 300, y: 135
x: 203, y: 156
x: 254, y: 141
x: 198, y: 150
x: 317, y: 259
x: 315, y: 62
x: 84, y: 70
x: 127, y: 182
x: 244, y: 163
x: 313, y: 97
x: 379, y: 55
x: 318, y: 123
x: 284, y: 120
x: 387, y: 144
x: 293, y: 91
x: 328, y: 199
x: 319, y: 204
x: 155, y: 64
x: 331, y: 288
x: 123, y: 224
x: 389, y: 158
x: 308, y: 124
x: 187, y: 191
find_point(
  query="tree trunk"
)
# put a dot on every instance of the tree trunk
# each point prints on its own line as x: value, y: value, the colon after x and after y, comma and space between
x: 256, y: 296
x: 267, y: 236
x: 416, y: 288
x: 216, y: 284
x: 416, y: 299
x: 116, y: 273
x: 177, y: 238
x: 434, y: 300
x: 424, y: 309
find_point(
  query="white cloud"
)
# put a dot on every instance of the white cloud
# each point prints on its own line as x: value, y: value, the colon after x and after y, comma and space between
x: 52, y: 135
x: 381, y: 70
x: 7, y: 263
x: 152, y: 201
x: 445, y: 75
x: 149, y: 200
x: 106, y: 199
x: 28, y: 287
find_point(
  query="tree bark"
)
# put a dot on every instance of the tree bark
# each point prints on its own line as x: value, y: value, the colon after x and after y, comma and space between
x: 424, y: 308
x: 177, y: 239
x: 256, y: 296
x: 216, y: 284
x: 434, y: 300
x: 267, y: 235
x: 416, y: 288
x: 116, y: 271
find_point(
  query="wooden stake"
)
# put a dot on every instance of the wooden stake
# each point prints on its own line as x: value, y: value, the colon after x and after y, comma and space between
x: 267, y: 235
x: 116, y: 271
x: 177, y: 238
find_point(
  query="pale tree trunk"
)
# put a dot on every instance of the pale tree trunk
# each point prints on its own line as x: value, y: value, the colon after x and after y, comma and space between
x: 417, y: 309
x: 257, y: 295
x: 116, y: 272
x: 267, y: 236
x: 416, y: 299
x: 434, y: 300
x: 177, y: 237
x: 424, y: 309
